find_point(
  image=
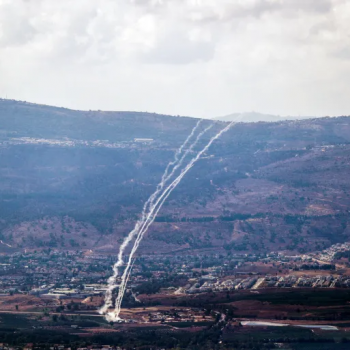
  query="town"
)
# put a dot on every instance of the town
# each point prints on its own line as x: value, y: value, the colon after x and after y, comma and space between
x: 51, y: 273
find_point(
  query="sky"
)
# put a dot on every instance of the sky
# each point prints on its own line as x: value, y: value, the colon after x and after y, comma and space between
x: 201, y: 58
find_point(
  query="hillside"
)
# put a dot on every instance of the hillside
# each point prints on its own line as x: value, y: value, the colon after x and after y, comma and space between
x: 75, y: 179
x: 254, y: 117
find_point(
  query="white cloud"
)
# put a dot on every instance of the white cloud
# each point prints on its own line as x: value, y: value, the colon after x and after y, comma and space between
x: 190, y: 57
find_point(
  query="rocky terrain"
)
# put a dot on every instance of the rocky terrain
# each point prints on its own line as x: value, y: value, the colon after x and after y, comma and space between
x: 73, y: 179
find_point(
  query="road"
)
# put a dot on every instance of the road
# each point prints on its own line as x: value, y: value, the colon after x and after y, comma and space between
x: 51, y: 313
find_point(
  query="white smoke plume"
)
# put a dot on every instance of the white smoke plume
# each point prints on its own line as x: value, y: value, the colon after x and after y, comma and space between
x: 176, y: 162
x: 152, y: 207
x: 114, y: 315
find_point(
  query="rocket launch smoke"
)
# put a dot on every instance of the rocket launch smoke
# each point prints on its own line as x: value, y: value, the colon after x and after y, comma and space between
x: 142, y: 225
x: 150, y: 218
x: 177, y: 162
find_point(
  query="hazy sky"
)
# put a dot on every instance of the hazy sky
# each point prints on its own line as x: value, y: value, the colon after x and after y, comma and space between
x: 190, y: 57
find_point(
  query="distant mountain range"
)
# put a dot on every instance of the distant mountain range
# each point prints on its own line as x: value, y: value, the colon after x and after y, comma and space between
x: 253, y: 117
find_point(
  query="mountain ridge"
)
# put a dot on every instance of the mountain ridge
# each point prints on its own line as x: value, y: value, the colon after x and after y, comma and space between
x: 79, y: 182
x: 255, y: 117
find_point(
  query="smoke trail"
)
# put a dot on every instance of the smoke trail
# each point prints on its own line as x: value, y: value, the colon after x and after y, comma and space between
x: 152, y: 215
x: 178, y: 152
x: 115, y: 315
x: 186, y: 153
x: 137, y: 229
x: 177, y: 162
x: 130, y: 270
